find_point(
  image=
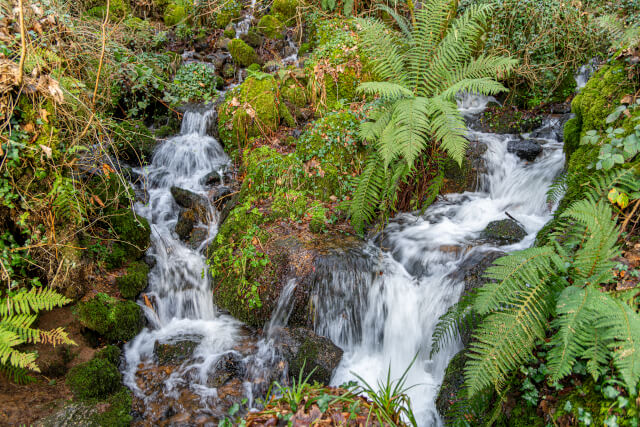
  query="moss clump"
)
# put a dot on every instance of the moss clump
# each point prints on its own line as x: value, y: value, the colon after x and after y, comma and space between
x: 115, y: 320
x: 271, y: 27
x: 117, y: 9
x: 96, y: 378
x: 293, y: 91
x: 133, y: 231
x: 174, y: 14
x: 134, y: 281
x: 571, y: 138
x: 285, y: 10
x: 110, y: 353
x: 229, y: 33
x: 242, y: 53
x: 600, y: 96
x: 318, y: 217
x: 266, y: 171
x: 230, y: 10
x: 249, y: 110
x: 118, y: 413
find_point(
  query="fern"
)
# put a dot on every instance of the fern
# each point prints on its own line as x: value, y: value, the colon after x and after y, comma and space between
x: 560, y: 282
x: 422, y: 67
x: 459, y: 319
x: 17, y: 313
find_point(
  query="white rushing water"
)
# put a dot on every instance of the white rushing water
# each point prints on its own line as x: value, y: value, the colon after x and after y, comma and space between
x: 179, y: 289
x: 383, y: 313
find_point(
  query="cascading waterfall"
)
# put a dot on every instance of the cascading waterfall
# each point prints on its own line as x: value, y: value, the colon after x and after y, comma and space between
x: 382, y: 310
x: 179, y: 289
x: 379, y: 303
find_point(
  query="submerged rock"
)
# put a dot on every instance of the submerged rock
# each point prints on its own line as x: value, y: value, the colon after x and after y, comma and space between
x: 503, y: 232
x: 175, y: 352
x: 306, y: 351
x: 526, y: 149
x: 221, y: 196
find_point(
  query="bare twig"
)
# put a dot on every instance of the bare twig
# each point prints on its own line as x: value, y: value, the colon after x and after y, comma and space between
x: 23, y: 44
x: 104, y: 44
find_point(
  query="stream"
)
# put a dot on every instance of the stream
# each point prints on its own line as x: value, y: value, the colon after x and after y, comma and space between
x: 379, y: 305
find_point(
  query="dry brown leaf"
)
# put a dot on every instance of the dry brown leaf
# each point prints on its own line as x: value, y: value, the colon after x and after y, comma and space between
x: 47, y: 151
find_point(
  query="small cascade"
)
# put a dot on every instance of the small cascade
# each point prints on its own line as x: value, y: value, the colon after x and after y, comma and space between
x: 382, y: 310
x: 242, y: 27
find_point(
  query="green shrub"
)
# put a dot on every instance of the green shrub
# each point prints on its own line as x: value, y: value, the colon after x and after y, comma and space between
x: 96, y: 378
x: 115, y: 320
x: 285, y: 10
x: 174, y: 14
x: 194, y: 82
x: 134, y: 281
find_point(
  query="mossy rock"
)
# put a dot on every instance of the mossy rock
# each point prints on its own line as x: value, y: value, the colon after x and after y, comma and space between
x: 115, y: 320
x: 242, y: 53
x: 601, y: 95
x: 133, y: 231
x: 174, y: 14
x: 96, y: 378
x: 134, y: 142
x: 331, y: 150
x: 293, y: 91
x: 503, y: 232
x: 285, y: 10
x: 237, y: 123
x: 318, y: 217
x: 174, y: 352
x: 110, y: 353
x: 118, y: 410
x: 452, y: 383
x: 290, y: 204
x: 271, y: 27
x: 117, y: 9
x: 266, y: 171
x: 134, y: 281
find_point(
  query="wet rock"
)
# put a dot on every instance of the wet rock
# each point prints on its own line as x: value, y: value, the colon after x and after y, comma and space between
x: 197, y: 236
x: 561, y: 108
x: 526, y: 149
x: 221, y: 196
x: 252, y: 38
x: 218, y: 60
x: 187, y: 220
x: 461, y: 178
x: 175, y: 352
x: 228, y: 367
x: 288, y: 51
x: 503, y: 232
x: 473, y: 267
x: 72, y: 414
x: 223, y: 43
x: 452, y: 382
x: 187, y: 199
x: 303, y: 347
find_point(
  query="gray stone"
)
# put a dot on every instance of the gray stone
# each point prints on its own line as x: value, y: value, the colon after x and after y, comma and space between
x: 503, y: 232
x: 175, y: 352
x: 307, y: 352
x: 526, y: 149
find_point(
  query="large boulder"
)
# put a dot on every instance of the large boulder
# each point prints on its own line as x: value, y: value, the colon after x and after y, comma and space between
x: 308, y: 353
x: 503, y: 232
x: 526, y: 149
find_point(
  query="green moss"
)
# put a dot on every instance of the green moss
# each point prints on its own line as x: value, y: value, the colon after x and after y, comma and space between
x: 117, y: 9
x: 96, y: 378
x: 118, y: 412
x: 318, y: 217
x: 115, y: 320
x: 133, y: 231
x: 286, y: 115
x: 242, y: 53
x: 237, y: 123
x: 174, y: 14
x: 134, y: 281
x: 266, y: 171
x: 229, y: 33
x: 293, y: 91
x: 230, y: 10
x: 601, y: 95
x: 572, y: 129
x: 285, y: 10
x: 271, y: 27
x: 116, y: 256
x: 111, y: 353
x: 331, y: 150
x: 254, y: 68
x: 289, y: 204
x: 304, y: 48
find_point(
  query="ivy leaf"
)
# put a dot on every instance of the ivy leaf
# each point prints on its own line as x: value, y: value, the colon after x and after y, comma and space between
x: 613, y: 195
x: 617, y: 158
x: 616, y: 113
x: 622, y: 200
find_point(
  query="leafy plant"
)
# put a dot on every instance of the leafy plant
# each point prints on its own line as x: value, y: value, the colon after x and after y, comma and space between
x: 423, y: 67
x: 563, y: 279
x: 390, y: 397
x: 18, y: 311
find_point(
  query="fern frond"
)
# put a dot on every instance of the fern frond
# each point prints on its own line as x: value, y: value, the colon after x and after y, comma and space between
x: 384, y: 90
x: 459, y: 318
x: 412, y: 127
x: 16, y: 375
x: 367, y: 194
x: 384, y: 51
x: 32, y: 301
x: 449, y: 128
x: 402, y: 22
x: 482, y: 86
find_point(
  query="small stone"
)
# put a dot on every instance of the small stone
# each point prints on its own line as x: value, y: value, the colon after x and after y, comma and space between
x: 503, y: 232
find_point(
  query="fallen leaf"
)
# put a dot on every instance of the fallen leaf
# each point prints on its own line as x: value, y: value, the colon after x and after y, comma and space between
x: 47, y: 150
